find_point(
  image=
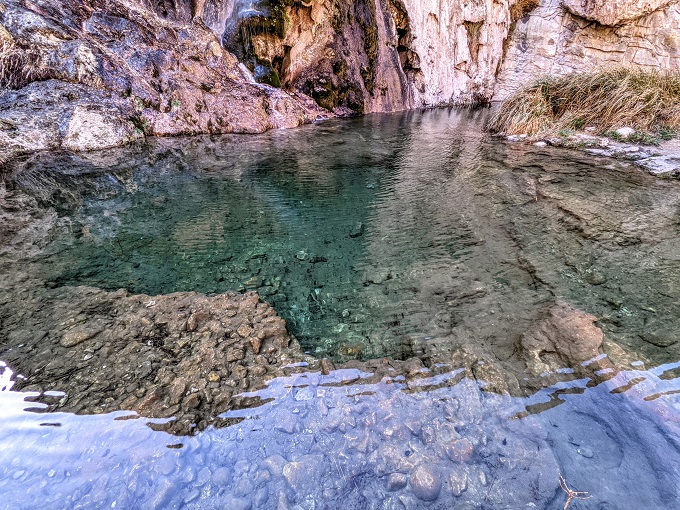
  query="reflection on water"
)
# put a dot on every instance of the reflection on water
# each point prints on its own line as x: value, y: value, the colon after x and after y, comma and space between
x: 387, y: 235
x: 540, y: 289
x: 337, y: 442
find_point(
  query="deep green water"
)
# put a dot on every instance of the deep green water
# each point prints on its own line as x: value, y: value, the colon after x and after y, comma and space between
x: 374, y: 236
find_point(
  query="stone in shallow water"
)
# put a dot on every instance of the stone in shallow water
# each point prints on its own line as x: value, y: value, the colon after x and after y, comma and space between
x: 396, y: 481
x: 425, y: 482
x: 458, y: 482
x: 244, y: 331
x: 233, y: 503
x: 660, y: 337
x: 460, y: 450
x: 304, y: 473
x: 596, y: 278
x: 78, y: 336
x: 357, y: 230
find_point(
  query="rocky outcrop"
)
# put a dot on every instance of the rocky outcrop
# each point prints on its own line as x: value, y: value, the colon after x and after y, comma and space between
x: 82, y: 75
x: 613, y: 13
x: 560, y: 37
x: 565, y: 337
x: 90, y: 75
x: 459, y: 46
x: 100, y: 73
x: 378, y: 55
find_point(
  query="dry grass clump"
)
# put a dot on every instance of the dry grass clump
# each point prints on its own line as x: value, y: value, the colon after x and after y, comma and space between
x: 607, y: 99
x: 521, y: 8
x: 20, y: 66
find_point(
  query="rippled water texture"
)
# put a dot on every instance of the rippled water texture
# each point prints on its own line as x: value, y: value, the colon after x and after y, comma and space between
x: 402, y: 235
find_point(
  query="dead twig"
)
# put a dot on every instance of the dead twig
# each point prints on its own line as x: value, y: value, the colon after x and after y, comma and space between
x: 572, y: 494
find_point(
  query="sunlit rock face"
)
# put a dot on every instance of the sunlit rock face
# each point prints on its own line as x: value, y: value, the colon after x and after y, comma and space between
x: 374, y: 55
x: 83, y: 77
x: 459, y: 46
x: 123, y: 70
x: 559, y: 37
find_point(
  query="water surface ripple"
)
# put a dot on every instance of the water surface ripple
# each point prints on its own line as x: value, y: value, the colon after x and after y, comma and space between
x: 539, y: 286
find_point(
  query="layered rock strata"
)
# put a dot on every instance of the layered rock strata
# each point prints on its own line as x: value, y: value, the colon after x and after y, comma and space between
x: 560, y: 37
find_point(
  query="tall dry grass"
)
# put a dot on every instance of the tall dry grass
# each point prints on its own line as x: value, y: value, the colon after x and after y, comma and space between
x: 607, y: 99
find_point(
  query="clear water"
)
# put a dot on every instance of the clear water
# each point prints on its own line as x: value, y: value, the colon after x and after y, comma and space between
x: 365, y: 234
x: 621, y: 448
x: 396, y: 235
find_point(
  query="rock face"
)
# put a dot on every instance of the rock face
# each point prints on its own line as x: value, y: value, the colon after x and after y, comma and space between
x: 83, y: 75
x: 612, y: 13
x: 559, y: 37
x: 72, y: 116
x: 90, y: 75
x: 379, y: 55
x: 458, y: 48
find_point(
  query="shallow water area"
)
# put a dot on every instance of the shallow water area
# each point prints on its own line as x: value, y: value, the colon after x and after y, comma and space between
x: 535, y: 293
x: 336, y: 442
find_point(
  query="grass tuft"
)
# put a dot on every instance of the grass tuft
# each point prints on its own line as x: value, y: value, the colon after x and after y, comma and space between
x: 607, y: 100
x: 521, y: 8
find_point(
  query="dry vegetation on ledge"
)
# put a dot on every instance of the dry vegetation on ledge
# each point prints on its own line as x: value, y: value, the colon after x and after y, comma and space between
x: 607, y: 100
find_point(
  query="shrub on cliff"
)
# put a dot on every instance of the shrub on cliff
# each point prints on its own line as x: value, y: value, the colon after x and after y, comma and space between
x: 607, y: 99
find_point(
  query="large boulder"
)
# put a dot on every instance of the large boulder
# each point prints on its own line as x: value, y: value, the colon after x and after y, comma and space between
x: 80, y: 77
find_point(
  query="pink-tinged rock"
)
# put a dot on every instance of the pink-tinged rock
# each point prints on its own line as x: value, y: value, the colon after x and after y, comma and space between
x: 614, y: 12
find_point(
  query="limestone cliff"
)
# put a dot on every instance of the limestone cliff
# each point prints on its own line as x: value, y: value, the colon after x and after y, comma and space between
x: 86, y: 74
x: 563, y: 36
x: 377, y: 55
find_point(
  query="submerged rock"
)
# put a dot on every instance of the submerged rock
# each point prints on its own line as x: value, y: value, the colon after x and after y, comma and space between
x: 425, y: 482
x: 566, y: 337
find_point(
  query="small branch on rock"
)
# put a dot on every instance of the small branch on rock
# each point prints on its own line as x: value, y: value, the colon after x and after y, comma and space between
x: 572, y: 494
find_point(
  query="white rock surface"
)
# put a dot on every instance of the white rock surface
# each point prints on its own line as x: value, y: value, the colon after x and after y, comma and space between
x: 613, y: 12
x: 625, y: 132
x: 552, y: 40
x: 666, y: 166
x: 460, y: 46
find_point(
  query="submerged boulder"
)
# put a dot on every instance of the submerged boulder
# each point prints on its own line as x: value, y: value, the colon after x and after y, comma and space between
x: 566, y: 337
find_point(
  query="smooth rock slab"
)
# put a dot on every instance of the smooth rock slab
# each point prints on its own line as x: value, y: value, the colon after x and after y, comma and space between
x: 425, y: 482
x: 664, y: 166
